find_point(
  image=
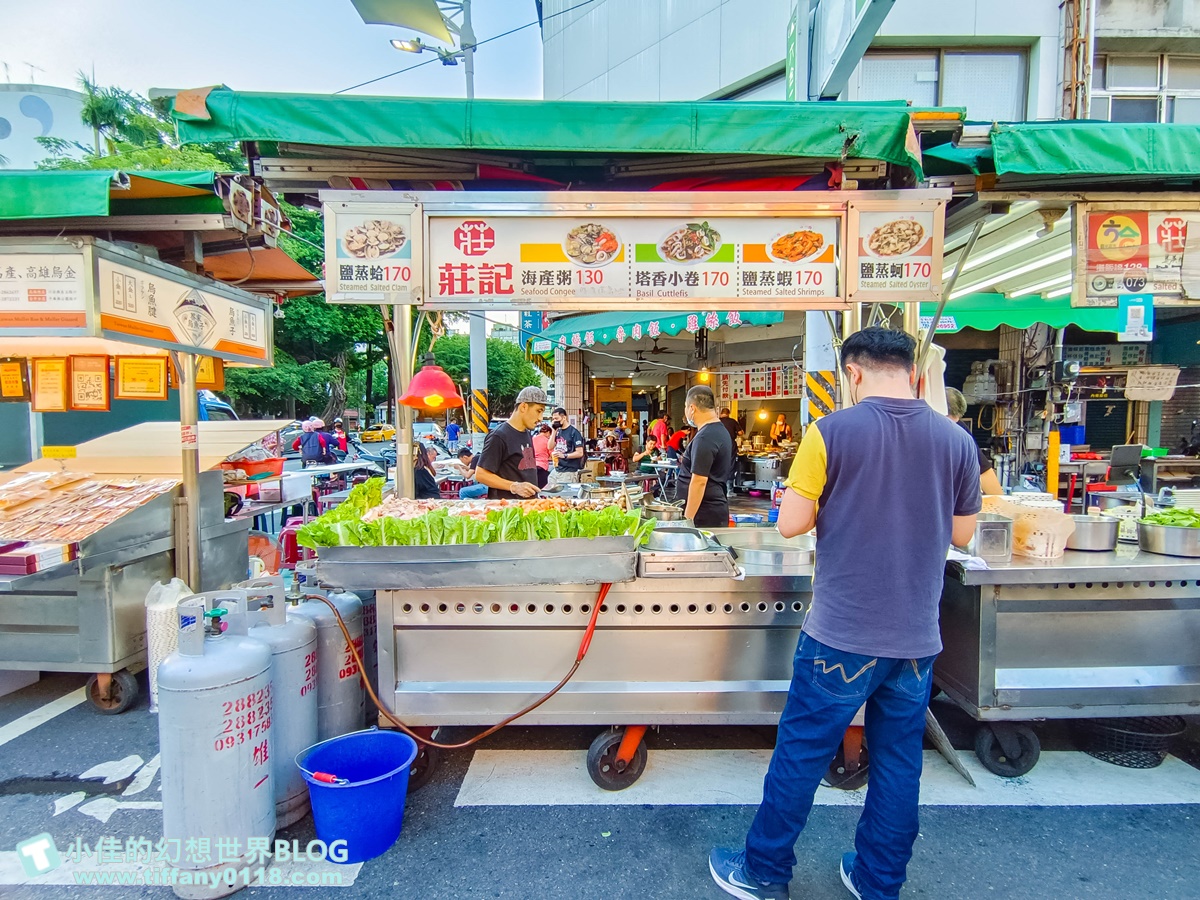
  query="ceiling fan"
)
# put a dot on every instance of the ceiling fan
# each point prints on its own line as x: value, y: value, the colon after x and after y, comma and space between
x: 637, y: 367
x: 655, y: 350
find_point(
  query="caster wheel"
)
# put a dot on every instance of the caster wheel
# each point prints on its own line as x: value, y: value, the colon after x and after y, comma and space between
x: 122, y: 693
x: 423, y: 767
x: 602, y: 762
x: 843, y: 777
x: 1007, y: 750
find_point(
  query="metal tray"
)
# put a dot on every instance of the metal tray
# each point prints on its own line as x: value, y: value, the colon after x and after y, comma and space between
x: 513, y: 563
x: 767, y: 547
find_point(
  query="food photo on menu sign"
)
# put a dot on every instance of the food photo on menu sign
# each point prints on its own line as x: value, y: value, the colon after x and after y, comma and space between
x: 895, y: 251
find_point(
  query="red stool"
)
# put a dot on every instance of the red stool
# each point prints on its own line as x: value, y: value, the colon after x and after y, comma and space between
x: 290, y: 551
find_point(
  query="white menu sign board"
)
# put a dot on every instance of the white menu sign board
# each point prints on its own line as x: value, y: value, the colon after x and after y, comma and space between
x: 43, y: 291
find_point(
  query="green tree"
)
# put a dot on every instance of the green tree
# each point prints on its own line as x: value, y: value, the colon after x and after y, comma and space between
x: 508, y: 369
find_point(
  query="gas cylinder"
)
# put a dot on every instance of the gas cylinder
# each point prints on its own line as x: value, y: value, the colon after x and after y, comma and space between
x: 293, y: 642
x: 370, y: 653
x: 340, y: 695
x: 214, y: 735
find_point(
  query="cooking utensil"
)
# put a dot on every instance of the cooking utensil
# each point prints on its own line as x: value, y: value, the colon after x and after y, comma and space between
x: 676, y: 539
x: 1109, y: 500
x: 599, y: 493
x: 1094, y: 533
x: 664, y: 512
x: 993, y: 537
x: 1170, y: 540
x: 763, y: 547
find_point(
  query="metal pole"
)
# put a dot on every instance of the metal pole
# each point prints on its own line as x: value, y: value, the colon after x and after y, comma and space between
x: 466, y: 40
x: 189, y: 417
x: 480, y: 408
x: 402, y: 332
x: 946, y: 289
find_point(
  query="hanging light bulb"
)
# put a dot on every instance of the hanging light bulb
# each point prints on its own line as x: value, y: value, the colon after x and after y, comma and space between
x: 432, y: 388
x: 704, y: 375
x: 762, y: 414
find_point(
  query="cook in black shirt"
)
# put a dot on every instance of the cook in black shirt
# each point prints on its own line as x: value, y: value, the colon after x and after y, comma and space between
x: 507, y: 464
x: 707, y: 464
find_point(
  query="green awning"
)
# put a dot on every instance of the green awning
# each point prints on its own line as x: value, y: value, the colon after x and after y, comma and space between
x: 56, y: 194
x: 813, y: 130
x: 950, y: 159
x: 1097, y: 149
x: 605, y: 328
x: 986, y: 312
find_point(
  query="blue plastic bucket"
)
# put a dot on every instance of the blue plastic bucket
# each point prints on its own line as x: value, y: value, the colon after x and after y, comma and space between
x: 365, y: 806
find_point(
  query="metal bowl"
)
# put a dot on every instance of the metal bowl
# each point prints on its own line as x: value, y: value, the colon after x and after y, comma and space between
x: 1170, y: 540
x: 676, y: 539
x: 767, y: 547
x: 1094, y: 533
x: 1110, y: 500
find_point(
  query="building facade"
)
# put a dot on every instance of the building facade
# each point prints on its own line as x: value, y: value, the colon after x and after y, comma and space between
x: 1002, y: 61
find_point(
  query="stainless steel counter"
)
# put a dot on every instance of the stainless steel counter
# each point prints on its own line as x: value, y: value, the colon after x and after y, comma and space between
x: 1126, y: 563
x: 1090, y: 635
x: 667, y: 650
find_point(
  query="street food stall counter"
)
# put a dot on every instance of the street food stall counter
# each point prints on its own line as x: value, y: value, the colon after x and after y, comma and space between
x: 683, y: 636
x: 88, y: 614
x: 1089, y: 635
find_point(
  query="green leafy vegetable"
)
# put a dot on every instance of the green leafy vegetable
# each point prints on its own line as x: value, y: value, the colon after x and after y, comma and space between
x: 1180, y: 518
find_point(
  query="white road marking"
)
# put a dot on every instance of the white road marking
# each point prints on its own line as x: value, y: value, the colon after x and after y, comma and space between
x: 734, y: 777
x: 62, y: 804
x: 12, y: 873
x: 32, y: 720
x: 102, y: 808
x: 143, y: 778
x: 114, y: 769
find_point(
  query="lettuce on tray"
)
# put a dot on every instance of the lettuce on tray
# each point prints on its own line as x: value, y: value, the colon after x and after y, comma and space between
x: 343, y: 526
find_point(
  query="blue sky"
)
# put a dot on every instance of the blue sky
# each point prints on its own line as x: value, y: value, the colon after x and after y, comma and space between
x: 299, y: 46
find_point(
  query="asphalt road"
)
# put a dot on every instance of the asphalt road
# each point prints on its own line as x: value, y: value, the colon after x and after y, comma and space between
x: 603, y: 851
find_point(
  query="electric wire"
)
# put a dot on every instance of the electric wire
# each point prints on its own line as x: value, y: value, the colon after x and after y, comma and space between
x: 495, y: 37
x: 584, y: 644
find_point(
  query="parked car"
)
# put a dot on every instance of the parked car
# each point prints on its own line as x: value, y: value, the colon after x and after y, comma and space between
x: 380, y: 431
x: 214, y: 409
x: 427, y: 431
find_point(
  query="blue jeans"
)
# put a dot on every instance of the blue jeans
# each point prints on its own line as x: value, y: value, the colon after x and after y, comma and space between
x: 828, y: 687
x: 472, y: 491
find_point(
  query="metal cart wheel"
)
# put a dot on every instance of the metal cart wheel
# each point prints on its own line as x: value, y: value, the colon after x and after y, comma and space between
x: 604, y: 767
x: 1007, y: 750
x: 112, y: 694
x: 420, y: 773
x: 849, y: 774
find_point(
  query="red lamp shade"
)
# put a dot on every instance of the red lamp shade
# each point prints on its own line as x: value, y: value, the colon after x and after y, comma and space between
x: 432, y: 388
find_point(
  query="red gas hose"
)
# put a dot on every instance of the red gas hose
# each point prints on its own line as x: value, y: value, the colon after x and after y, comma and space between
x: 584, y: 643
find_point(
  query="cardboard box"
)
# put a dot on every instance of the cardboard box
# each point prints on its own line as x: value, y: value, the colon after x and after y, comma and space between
x: 291, y: 486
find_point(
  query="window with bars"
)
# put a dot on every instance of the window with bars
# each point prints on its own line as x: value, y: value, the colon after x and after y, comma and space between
x: 1141, y: 88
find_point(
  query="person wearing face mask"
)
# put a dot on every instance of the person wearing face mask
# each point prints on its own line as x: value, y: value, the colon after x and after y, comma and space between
x: 566, y: 449
x: 706, y: 465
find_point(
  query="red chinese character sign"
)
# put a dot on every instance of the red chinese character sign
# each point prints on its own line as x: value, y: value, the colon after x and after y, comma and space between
x: 1133, y: 251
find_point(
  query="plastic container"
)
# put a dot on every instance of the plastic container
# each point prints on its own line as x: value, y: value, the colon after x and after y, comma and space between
x: 1135, y: 743
x: 1072, y: 434
x: 364, y: 803
x: 265, y: 468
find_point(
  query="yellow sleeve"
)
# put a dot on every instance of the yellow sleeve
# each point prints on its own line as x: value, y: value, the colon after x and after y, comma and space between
x: 808, y: 472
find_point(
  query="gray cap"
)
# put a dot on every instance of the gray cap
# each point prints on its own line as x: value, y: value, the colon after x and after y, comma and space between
x: 533, y: 395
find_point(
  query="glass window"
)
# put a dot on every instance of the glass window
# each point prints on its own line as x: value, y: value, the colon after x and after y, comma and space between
x: 1134, y: 109
x: 1183, y: 72
x: 900, y: 76
x: 1184, y: 109
x: 1098, y: 66
x: 216, y: 414
x: 1099, y: 108
x: 1132, y: 72
x: 990, y: 85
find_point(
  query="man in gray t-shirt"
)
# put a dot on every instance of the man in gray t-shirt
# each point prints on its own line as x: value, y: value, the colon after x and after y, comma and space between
x: 889, y: 484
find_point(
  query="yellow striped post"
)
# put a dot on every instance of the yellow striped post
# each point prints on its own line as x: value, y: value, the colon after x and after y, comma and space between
x: 479, y: 411
x: 818, y: 388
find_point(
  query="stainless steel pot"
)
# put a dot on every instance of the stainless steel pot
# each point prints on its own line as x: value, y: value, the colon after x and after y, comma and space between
x: 766, y: 547
x: 1171, y: 540
x: 1109, y: 500
x: 662, y: 511
x: 1094, y: 533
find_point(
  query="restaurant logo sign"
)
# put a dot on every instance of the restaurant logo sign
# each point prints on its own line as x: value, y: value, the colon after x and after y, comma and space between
x: 474, y: 238
x: 1131, y: 252
x: 195, y: 318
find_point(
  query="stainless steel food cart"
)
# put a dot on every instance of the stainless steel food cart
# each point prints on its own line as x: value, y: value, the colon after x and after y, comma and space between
x: 682, y: 638
x: 1090, y: 635
x: 89, y: 615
